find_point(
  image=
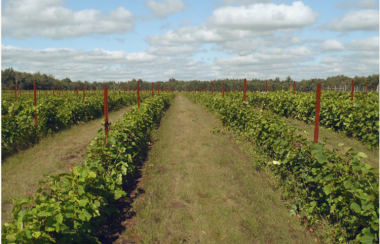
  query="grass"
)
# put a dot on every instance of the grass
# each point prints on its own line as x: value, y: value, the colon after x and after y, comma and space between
x: 21, y: 172
x: 199, y: 187
x: 332, y: 138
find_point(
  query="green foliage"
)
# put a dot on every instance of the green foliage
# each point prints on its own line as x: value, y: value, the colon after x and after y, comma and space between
x: 69, y: 208
x: 335, y: 184
x: 358, y: 118
x: 54, y: 113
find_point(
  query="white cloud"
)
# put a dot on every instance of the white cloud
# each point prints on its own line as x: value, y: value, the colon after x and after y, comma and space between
x: 99, y: 65
x: 269, y: 56
x: 264, y: 17
x: 332, y: 45
x: 102, y: 65
x: 234, y: 23
x: 244, y: 2
x: 28, y: 18
x: 371, y: 43
x: 161, y: 9
x: 197, y: 34
x: 362, y: 20
x: 358, y: 4
x: 165, y: 26
x: 173, y: 51
x: 248, y: 46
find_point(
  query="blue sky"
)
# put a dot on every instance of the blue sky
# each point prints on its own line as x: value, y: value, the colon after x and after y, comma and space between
x: 187, y: 40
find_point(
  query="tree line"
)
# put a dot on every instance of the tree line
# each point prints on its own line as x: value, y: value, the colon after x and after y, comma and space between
x: 24, y: 81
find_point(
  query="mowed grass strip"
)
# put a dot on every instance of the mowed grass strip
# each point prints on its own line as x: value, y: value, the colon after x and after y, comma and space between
x: 58, y: 153
x: 332, y: 138
x: 199, y: 188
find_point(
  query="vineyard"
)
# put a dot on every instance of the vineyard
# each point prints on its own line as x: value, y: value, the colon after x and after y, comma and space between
x: 54, y: 113
x: 337, y: 185
x: 321, y: 184
x: 359, y: 119
x: 77, y: 203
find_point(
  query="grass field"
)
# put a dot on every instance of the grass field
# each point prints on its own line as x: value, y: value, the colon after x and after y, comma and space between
x: 197, y: 186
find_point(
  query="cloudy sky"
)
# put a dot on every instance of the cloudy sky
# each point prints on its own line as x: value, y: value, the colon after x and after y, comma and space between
x: 157, y: 40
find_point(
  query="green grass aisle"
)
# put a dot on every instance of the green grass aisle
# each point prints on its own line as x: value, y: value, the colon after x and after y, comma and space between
x: 199, y: 188
x: 21, y: 172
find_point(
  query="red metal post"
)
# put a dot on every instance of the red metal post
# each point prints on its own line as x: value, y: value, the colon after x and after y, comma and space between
x: 106, y: 111
x: 138, y: 94
x: 223, y: 89
x: 35, y: 100
x: 352, y: 90
x: 245, y: 89
x: 294, y: 87
x: 317, y: 110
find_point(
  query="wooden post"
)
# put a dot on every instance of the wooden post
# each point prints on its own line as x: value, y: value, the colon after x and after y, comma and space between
x: 138, y: 94
x: 158, y: 88
x: 53, y: 90
x: 223, y: 89
x: 352, y: 90
x: 35, y: 100
x: 331, y: 88
x: 152, y: 89
x: 84, y: 91
x: 77, y: 91
x: 266, y: 87
x: 245, y: 89
x: 317, y: 110
x: 15, y: 93
x: 366, y: 88
x: 206, y: 89
x: 294, y: 87
x: 212, y: 88
x: 289, y: 87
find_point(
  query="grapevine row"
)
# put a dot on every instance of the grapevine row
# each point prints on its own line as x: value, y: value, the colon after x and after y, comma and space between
x: 70, y: 208
x: 19, y: 129
x: 336, y: 184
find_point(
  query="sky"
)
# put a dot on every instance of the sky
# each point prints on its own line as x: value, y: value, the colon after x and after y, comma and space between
x: 152, y: 40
